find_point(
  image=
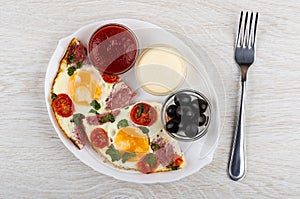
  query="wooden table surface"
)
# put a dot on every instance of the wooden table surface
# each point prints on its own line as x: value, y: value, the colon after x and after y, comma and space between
x: 36, y: 164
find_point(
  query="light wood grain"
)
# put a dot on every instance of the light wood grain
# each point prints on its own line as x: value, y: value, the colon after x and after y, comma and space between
x: 35, y: 163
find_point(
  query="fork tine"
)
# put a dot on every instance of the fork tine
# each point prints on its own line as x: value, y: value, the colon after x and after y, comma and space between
x: 245, y: 26
x: 239, y: 31
x: 249, y: 43
x: 255, y: 25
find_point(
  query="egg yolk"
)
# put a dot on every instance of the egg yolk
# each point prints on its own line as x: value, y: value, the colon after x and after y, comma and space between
x: 84, y: 86
x: 131, y: 139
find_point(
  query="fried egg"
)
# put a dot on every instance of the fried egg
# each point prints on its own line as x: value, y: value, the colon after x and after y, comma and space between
x: 85, y: 86
x: 131, y: 139
x: 127, y: 137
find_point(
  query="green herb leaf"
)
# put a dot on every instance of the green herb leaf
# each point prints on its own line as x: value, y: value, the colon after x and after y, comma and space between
x: 140, y: 110
x: 151, y: 159
x: 107, y: 118
x: 93, y: 111
x: 53, y: 96
x: 77, y: 118
x: 173, y: 167
x: 95, y: 104
x: 127, y: 155
x: 144, y: 129
x: 127, y: 107
x: 71, y: 70
x: 79, y: 65
x: 72, y: 58
x: 155, y: 146
x: 122, y: 123
x: 113, y: 153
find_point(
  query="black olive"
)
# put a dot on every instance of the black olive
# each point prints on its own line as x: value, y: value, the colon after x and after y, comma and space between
x: 191, y: 130
x: 185, y: 112
x: 172, y: 125
x: 203, y: 107
x: 182, y: 125
x: 182, y: 99
x: 199, y: 104
x: 195, y: 105
x: 171, y: 110
x: 200, y: 119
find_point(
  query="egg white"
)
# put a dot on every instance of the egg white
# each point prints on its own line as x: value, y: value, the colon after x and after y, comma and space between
x: 155, y: 131
x: 60, y: 85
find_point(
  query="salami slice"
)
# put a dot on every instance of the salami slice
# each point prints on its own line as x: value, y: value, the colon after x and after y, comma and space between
x: 119, y: 97
x: 99, y: 138
x: 77, y: 53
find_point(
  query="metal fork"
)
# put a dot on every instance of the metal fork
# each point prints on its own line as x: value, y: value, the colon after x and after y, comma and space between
x: 244, y: 57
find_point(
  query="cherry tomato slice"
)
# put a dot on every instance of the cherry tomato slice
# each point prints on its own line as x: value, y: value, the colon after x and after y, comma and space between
x: 110, y: 78
x: 63, y: 105
x: 178, y: 160
x: 143, y: 114
x: 99, y: 138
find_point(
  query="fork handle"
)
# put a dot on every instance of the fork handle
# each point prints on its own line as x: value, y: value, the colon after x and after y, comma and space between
x: 237, y: 162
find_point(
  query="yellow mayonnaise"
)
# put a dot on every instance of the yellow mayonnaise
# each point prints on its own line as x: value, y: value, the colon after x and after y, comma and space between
x: 160, y: 70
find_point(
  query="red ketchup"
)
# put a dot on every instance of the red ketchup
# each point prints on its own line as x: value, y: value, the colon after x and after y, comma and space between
x: 113, y: 49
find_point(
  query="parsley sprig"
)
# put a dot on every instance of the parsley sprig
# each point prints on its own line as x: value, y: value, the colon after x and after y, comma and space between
x: 96, y: 106
x: 72, y: 58
x: 72, y: 69
x: 53, y: 96
x: 115, y: 154
x: 77, y: 118
x: 140, y: 110
x: 107, y: 118
x: 145, y: 130
x: 151, y: 159
x: 122, y: 123
x: 155, y: 146
x: 127, y: 155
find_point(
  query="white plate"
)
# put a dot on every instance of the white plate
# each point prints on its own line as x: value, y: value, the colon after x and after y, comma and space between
x: 197, y: 154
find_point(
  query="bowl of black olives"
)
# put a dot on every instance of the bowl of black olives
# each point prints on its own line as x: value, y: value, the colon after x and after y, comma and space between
x: 186, y: 115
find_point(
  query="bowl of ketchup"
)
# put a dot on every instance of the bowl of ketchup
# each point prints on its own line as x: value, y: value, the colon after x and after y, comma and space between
x: 113, y: 49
